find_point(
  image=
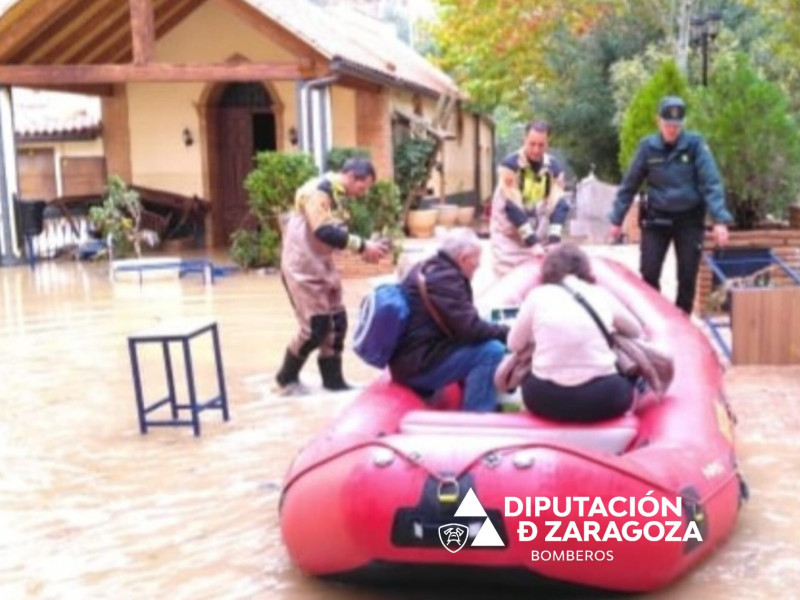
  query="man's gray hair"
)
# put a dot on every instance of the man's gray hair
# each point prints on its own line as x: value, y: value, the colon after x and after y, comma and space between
x: 460, y: 241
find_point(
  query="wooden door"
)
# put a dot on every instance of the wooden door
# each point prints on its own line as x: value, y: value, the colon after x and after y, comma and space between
x: 235, y: 136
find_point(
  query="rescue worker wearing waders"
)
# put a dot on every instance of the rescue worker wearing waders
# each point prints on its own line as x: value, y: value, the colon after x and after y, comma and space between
x: 528, y: 207
x: 683, y: 183
x: 315, y: 229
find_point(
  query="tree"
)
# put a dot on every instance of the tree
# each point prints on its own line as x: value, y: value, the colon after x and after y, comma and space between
x: 496, y: 49
x: 754, y: 138
x: 579, y: 103
x: 639, y: 118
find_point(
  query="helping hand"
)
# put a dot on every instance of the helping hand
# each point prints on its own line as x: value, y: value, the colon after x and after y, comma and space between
x: 374, y: 251
x: 615, y: 234
x: 720, y: 232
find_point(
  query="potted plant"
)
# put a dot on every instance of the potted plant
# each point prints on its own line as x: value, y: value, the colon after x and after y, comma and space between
x: 413, y: 161
x: 271, y: 187
x: 117, y: 219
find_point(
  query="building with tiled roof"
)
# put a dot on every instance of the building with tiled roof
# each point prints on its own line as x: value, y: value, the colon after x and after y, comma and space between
x: 190, y: 90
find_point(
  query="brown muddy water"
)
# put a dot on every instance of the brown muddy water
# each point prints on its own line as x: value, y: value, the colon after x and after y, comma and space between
x: 91, y: 509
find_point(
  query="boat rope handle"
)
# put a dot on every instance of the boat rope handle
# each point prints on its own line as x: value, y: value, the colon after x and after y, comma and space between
x: 600, y: 461
x: 366, y: 444
x: 443, y: 481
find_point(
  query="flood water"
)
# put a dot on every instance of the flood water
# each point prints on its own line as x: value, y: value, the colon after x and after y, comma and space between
x: 91, y: 509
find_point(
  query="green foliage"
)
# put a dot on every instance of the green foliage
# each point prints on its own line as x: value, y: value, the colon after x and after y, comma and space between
x: 271, y: 186
x: 495, y: 50
x: 251, y: 249
x: 337, y: 156
x: 639, y: 118
x: 377, y: 212
x: 629, y: 75
x: 755, y: 140
x: 273, y: 182
x: 583, y: 128
x: 413, y: 160
x: 118, y: 217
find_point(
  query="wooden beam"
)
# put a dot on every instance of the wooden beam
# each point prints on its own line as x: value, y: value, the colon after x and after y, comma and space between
x: 23, y: 30
x: 59, y: 40
x: 90, y: 74
x: 98, y: 89
x: 167, y: 16
x: 143, y: 31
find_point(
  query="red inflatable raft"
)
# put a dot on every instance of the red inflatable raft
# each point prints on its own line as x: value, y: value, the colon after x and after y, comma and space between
x: 394, y: 491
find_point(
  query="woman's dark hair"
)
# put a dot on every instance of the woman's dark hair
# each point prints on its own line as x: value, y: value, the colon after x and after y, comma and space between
x: 566, y: 259
x: 540, y: 126
x: 361, y: 168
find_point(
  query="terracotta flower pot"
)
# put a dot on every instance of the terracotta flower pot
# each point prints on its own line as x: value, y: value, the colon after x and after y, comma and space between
x: 465, y: 216
x: 421, y: 222
x: 448, y: 213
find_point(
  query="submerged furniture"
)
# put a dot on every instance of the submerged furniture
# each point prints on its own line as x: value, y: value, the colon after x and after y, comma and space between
x: 755, y: 313
x: 168, y: 334
x: 30, y: 214
x: 183, y: 266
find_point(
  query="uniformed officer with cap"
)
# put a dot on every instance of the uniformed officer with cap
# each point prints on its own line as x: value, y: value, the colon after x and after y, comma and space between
x: 683, y: 183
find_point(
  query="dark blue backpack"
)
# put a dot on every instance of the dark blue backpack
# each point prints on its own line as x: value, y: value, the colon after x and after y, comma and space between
x: 382, y: 319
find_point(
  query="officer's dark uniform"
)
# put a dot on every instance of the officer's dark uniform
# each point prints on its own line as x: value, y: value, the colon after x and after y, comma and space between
x: 682, y: 183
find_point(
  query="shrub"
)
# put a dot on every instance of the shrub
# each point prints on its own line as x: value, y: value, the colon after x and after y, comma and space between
x: 413, y: 161
x: 754, y: 139
x: 271, y: 187
x: 273, y: 182
x: 251, y: 248
x: 639, y: 118
x: 118, y: 217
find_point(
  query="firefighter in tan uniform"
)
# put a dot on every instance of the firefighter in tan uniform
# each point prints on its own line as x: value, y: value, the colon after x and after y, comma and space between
x: 314, y: 231
x: 528, y: 208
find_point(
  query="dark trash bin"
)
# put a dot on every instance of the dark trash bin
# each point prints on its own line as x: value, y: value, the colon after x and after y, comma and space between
x: 30, y: 223
x: 31, y: 216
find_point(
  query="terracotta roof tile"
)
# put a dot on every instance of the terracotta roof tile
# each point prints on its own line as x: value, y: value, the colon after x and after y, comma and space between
x: 54, y: 114
x: 360, y: 40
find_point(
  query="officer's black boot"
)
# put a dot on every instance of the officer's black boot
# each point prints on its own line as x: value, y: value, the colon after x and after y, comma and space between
x: 330, y: 367
x: 290, y: 371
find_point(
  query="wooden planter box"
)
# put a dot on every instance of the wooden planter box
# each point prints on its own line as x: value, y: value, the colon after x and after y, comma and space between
x: 353, y: 266
x: 765, y: 326
x: 784, y: 243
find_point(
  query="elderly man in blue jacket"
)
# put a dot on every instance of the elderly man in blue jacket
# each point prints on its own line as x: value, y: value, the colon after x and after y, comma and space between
x: 683, y: 183
x: 446, y: 340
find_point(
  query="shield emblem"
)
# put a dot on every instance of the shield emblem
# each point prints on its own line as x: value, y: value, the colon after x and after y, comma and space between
x: 453, y: 536
x: 675, y: 112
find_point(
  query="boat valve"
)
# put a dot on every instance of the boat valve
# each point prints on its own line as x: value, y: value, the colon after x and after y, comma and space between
x: 447, y: 491
x: 382, y: 457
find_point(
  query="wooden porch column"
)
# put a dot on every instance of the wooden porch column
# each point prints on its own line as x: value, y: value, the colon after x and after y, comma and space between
x: 116, y: 134
x: 374, y: 129
x: 143, y: 31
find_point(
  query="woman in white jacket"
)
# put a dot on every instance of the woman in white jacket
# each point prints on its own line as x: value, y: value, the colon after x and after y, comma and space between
x: 573, y: 371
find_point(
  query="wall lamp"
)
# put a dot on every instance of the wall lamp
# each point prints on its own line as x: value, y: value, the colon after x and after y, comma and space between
x: 188, y: 139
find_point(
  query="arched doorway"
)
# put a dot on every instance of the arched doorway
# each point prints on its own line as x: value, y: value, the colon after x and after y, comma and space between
x: 243, y: 123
